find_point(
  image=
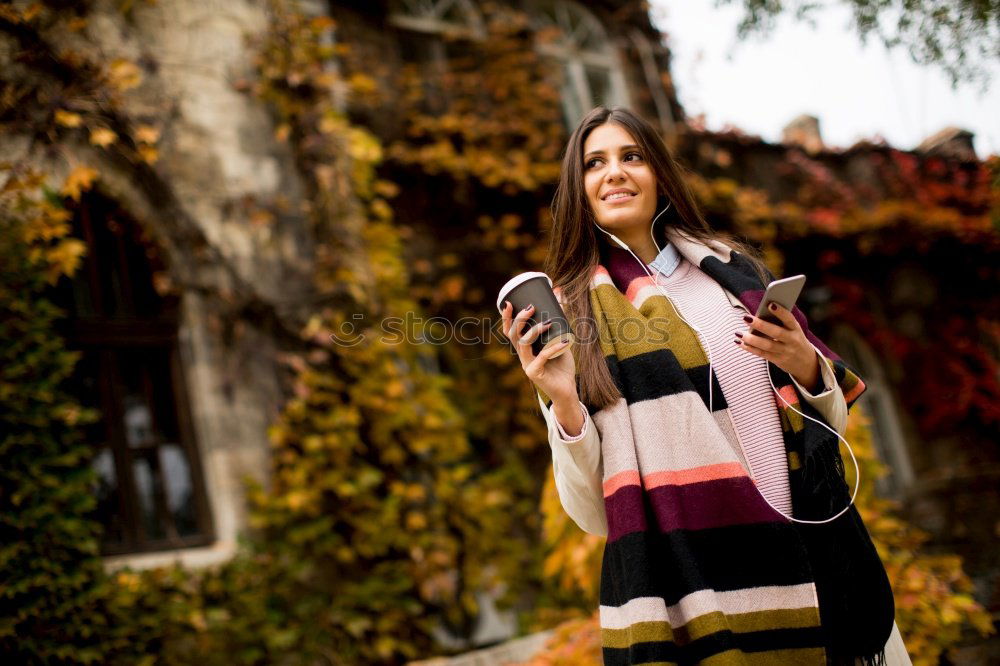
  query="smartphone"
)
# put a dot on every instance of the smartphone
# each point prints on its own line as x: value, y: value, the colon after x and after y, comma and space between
x: 784, y: 292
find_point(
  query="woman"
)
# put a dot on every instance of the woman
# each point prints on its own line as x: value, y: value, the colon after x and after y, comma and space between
x: 710, y: 466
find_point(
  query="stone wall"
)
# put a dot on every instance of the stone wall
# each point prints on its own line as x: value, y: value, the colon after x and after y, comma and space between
x: 218, y: 163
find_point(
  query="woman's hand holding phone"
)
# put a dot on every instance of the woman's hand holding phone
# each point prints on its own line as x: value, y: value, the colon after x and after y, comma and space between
x: 556, y: 377
x: 786, y: 345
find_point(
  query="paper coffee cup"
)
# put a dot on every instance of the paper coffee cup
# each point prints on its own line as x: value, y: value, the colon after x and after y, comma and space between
x: 535, y: 288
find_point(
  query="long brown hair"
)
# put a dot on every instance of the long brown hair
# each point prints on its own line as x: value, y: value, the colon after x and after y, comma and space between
x: 576, y: 246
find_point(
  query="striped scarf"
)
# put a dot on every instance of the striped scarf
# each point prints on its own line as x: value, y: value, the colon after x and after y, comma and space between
x: 697, y: 567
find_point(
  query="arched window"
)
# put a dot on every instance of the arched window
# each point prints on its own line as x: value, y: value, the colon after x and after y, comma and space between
x: 880, y: 404
x: 569, y: 34
x: 430, y: 32
x: 150, y: 490
x: 455, y: 17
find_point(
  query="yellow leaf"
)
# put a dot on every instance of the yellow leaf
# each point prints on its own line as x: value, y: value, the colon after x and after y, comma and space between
x: 124, y: 74
x: 322, y: 23
x: 261, y: 217
x: 381, y: 210
x: 147, y: 134
x: 416, y: 520
x: 79, y: 181
x: 148, y: 153
x: 329, y: 124
x: 68, y: 118
x: 386, y: 188
x: 33, y: 10
x: 103, y: 137
x: 197, y: 620
x: 65, y: 258
x: 297, y: 499
x: 362, y: 83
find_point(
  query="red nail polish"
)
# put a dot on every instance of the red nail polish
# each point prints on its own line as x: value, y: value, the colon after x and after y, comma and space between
x: 738, y: 334
x: 748, y: 319
x: 737, y: 342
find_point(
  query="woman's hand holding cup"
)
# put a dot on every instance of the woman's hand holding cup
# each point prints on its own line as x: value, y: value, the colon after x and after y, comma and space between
x: 556, y: 377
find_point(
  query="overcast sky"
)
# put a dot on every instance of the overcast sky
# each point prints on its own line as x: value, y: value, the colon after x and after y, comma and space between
x: 855, y: 91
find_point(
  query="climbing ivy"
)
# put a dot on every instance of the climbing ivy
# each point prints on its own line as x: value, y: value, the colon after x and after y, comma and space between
x: 48, y: 543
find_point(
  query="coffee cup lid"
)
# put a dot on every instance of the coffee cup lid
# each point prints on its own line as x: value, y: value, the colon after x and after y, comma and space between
x: 515, y: 281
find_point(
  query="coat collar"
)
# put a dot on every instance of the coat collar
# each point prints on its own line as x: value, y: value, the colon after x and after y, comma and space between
x: 714, y: 259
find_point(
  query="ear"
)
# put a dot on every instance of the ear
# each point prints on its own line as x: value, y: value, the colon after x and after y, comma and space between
x: 559, y: 295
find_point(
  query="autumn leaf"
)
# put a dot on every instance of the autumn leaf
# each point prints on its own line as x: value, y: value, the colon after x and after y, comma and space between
x: 381, y: 210
x: 103, y: 137
x: 124, y: 74
x: 330, y: 123
x: 362, y: 84
x: 33, y: 10
x: 261, y: 217
x: 64, y: 258
x: 322, y: 23
x: 147, y: 134
x: 149, y: 154
x: 79, y: 181
x: 68, y: 118
x: 162, y: 282
x: 386, y: 188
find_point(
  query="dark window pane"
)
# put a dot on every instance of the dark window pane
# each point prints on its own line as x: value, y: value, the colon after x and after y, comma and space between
x: 147, y: 486
x: 180, y: 489
x: 108, y: 510
x: 85, y: 384
x: 599, y: 81
x: 138, y: 422
x: 161, y: 386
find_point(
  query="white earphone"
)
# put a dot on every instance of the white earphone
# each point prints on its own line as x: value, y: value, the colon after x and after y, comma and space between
x: 857, y: 480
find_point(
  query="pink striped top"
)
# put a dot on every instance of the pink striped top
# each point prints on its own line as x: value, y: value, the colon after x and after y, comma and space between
x: 741, y: 375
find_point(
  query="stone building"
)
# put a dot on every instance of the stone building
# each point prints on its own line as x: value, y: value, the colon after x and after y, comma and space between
x: 186, y: 401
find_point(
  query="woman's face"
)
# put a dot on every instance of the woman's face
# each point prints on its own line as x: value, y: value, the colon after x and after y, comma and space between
x: 621, y: 186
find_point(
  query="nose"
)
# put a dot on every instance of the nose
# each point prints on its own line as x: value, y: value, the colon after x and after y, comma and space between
x: 615, y: 171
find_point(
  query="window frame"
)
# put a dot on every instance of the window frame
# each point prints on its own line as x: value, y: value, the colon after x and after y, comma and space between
x: 429, y: 22
x: 574, y: 59
x: 104, y: 338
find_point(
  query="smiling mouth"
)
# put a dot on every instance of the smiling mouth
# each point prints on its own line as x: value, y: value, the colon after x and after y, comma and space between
x: 618, y: 197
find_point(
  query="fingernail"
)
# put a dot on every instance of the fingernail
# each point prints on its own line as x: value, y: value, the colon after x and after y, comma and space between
x: 505, y: 304
x: 738, y: 342
x: 530, y: 307
x: 748, y: 319
x: 772, y: 306
x: 738, y: 334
